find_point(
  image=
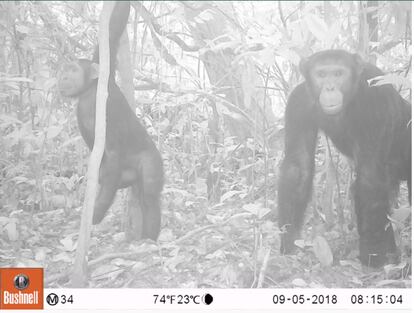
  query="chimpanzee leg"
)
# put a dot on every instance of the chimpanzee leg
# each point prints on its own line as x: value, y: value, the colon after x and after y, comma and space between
x: 109, y: 177
x: 135, y: 220
x: 150, y: 186
x: 151, y: 211
x: 128, y: 177
x: 409, y: 187
x: 372, y: 203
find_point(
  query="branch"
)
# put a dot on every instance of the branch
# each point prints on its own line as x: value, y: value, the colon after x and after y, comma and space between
x: 80, y: 266
x: 150, y: 20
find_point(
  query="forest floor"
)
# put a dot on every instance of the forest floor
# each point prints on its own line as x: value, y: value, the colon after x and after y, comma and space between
x: 227, y: 245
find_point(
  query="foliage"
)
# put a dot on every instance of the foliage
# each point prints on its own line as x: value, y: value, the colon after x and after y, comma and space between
x: 211, y: 83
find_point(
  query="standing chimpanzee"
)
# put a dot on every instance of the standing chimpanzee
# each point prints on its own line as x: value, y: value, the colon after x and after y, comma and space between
x: 130, y: 157
x: 370, y: 125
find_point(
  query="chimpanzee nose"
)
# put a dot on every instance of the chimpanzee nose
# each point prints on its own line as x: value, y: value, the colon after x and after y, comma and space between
x: 329, y: 87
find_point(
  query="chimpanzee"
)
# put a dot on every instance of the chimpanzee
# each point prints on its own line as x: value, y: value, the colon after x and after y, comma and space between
x: 370, y: 125
x: 130, y: 156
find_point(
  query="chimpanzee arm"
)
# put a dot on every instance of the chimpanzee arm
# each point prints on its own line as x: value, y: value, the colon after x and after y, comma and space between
x: 295, y: 182
x: 117, y: 24
x: 109, y: 177
x: 111, y: 168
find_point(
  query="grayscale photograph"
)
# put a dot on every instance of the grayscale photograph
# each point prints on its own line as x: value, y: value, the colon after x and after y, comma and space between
x: 207, y: 144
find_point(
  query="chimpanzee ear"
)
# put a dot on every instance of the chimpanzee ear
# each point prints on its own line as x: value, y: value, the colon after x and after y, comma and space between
x: 303, y: 66
x: 359, y: 64
x: 94, y: 71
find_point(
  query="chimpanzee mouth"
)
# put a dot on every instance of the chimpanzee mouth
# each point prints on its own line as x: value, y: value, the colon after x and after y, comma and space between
x: 332, y: 109
x: 66, y: 90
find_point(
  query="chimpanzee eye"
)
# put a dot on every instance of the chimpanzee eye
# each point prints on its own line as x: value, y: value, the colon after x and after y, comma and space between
x: 74, y: 69
x: 338, y: 73
x: 321, y: 74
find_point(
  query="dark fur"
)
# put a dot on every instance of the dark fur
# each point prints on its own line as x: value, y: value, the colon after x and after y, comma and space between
x: 373, y: 129
x: 131, y: 157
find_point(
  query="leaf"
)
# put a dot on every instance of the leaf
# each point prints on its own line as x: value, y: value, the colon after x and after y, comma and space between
x: 12, y: 232
x: 27, y: 263
x: 333, y: 33
x: 49, y: 84
x: 267, y: 56
x: 222, y: 46
x: 317, y: 27
x: 58, y: 201
x: 229, y: 275
x: 201, y: 186
x: 62, y: 257
x: 107, y: 271
x: 256, y: 209
x: 299, y: 282
x: 23, y: 29
x: 252, y: 208
x: 386, y: 282
x: 41, y: 254
x: 246, y: 167
x: 300, y: 243
x: 20, y: 180
x: 139, y: 266
x: 355, y: 265
x: 322, y: 251
x: 119, y: 237
x: 17, y: 79
x: 394, y: 267
x: 248, y: 84
x: 173, y: 262
x: 263, y: 212
x: 68, y: 243
x: 289, y: 54
x: 122, y: 262
x: 393, y: 79
x: 218, y: 255
x: 229, y: 194
x: 8, y: 120
x: 183, y: 193
x: 53, y: 131
x: 166, y: 235
x: 400, y: 215
x: 206, y: 15
x: 4, y: 220
x: 70, y: 141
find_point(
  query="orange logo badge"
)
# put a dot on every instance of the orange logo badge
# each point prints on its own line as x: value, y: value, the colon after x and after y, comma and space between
x: 21, y: 288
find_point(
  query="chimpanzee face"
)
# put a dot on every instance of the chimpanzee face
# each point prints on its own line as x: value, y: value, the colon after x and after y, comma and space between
x: 72, y: 79
x: 332, y: 79
x: 76, y: 77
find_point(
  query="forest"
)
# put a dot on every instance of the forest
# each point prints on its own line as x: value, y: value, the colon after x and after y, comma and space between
x: 204, y: 88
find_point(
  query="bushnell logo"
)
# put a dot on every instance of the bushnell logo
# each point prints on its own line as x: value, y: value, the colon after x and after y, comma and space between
x: 21, y: 281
